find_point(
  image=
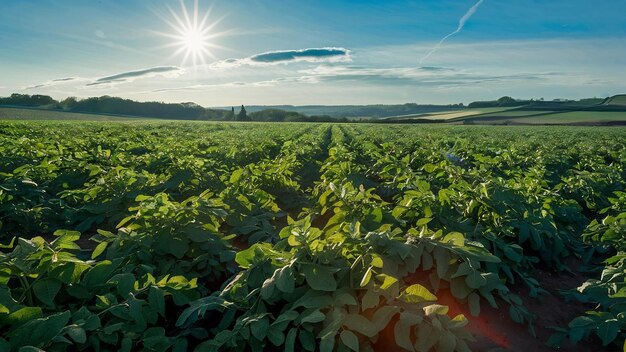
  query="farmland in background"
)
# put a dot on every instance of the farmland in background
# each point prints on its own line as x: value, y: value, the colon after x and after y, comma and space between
x: 24, y: 114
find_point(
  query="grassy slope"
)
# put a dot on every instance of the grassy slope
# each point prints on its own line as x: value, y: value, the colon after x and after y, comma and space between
x: 448, y: 115
x: 548, y: 117
x: 578, y: 117
x: 36, y: 114
x: 617, y: 100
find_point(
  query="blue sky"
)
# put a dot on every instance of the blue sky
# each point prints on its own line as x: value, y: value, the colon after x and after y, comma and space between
x: 362, y: 51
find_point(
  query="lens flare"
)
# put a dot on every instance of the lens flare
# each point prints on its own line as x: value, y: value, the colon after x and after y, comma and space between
x: 193, y: 35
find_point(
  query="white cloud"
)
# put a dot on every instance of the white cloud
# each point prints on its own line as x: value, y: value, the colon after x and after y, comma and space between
x: 328, y: 54
x: 163, y: 71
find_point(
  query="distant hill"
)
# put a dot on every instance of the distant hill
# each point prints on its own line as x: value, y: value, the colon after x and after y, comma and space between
x: 278, y: 115
x: 505, y: 110
x: 26, y: 113
x: 616, y: 100
x: 118, y: 106
x: 357, y: 111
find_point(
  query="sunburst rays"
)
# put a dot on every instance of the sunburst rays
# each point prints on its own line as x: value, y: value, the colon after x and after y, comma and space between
x: 193, y: 35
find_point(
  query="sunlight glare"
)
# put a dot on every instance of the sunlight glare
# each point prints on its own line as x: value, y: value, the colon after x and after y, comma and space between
x: 193, y: 36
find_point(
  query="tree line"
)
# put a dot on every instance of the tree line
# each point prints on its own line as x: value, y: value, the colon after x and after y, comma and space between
x: 176, y: 111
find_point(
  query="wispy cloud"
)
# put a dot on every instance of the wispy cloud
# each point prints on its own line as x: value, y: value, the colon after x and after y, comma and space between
x: 462, y: 22
x: 164, y: 71
x: 427, y: 76
x: 55, y: 82
x: 317, y: 55
x: 422, y: 76
x: 198, y: 87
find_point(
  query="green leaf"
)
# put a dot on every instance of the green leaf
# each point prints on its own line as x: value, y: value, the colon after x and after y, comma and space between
x: 402, y: 333
x: 581, y: 322
x: 475, y: 280
x: 313, y: 317
x: 40, y: 331
x: 474, y: 304
x: 175, y: 246
x: 427, y: 337
x: 350, y: 340
x: 287, y: 316
x: 77, y: 334
x: 66, y: 239
x: 377, y: 262
x: 608, y: 331
x: 447, y: 342
x: 236, y: 175
x: 135, y: 311
x: 100, y: 248
x: 99, y: 274
x: 514, y: 252
x: 276, y: 336
x: 463, y: 270
x: 124, y: 283
x: 422, y: 222
x: 436, y: 309
x: 259, y: 328
x: 46, y: 290
x: 455, y: 238
x: 307, y: 340
x: 388, y: 281
x: 24, y: 315
x: 267, y: 290
x: 124, y: 221
x: 442, y: 258
x: 127, y: 345
x: 366, y: 277
x: 417, y: 293
x: 156, y: 300
x: 370, y: 299
x: 515, y: 315
x: 319, y: 277
x: 556, y: 340
x: 459, y: 289
x: 524, y: 232
x: 360, y: 324
x: 327, y: 343
x: 286, y: 281
x: 383, y: 316
x: 290, y: 340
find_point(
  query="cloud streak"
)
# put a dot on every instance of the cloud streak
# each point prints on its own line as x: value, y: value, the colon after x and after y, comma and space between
x: 54, y: 82
x: 314, y: 54
x: 428, y: 77
x: 165, y: 71
x: 462, y: 22
x: 409, y: 76
x: 329, y: 54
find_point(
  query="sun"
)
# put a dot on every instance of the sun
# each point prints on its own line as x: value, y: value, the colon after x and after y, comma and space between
x: 193, y: 35
x: 194, y: 40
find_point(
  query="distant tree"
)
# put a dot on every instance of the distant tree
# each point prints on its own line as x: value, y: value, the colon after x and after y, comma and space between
x: 506, y: 101
x: 28, y: 100
x: 68, y: 103
x: 232, y: 113
x: 243, y: 114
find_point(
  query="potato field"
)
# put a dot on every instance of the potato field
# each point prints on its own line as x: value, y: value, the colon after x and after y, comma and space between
x: 172, y: 236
